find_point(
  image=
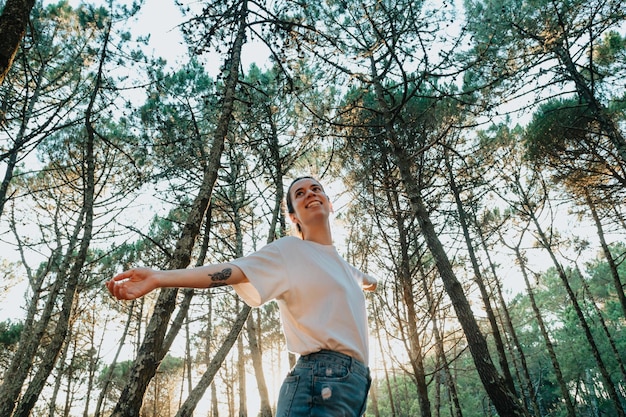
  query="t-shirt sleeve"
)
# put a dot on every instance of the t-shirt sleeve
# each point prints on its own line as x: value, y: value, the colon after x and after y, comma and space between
x: 266, y: 273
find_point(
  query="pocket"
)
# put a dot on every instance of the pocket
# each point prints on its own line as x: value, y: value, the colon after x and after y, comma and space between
x: 342, y: 396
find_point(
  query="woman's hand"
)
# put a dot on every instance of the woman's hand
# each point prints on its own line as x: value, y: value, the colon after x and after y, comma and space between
x: 369, y: 283
x: 133, y: 283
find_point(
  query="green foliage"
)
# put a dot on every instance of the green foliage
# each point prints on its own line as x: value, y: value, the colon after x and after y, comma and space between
x: 403, y: 392
x: 10, y: 333
x: 557, y: 127
x: 574, y: 355
x: 610, y: 50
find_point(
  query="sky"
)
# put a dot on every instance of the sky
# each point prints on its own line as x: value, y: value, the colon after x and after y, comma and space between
x: 159, y: 19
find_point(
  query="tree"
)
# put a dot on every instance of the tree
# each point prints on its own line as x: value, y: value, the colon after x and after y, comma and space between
x: 550, y: 47
x: 13, y: 24
x: 153, y: 347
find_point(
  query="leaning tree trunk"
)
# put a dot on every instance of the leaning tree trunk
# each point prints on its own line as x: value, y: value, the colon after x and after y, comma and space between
x: 571, y: 412
x: 13, y: 23
x: 619, y: 288
x: 439, y: 347
x: 152, y: 351
x: 504, y: 400
x: 603, y: 325
x: 406, y: 284
x: 609, y: 385
x: 478, y: 278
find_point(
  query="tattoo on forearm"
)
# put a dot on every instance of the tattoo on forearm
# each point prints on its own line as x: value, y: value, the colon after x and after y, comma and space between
x: 218, y: 278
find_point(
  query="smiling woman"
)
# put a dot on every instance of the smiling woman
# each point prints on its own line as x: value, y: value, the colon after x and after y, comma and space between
x: 321, y: 302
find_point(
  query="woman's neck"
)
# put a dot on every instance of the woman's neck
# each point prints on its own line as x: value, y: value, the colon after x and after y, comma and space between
x: 321, y: 235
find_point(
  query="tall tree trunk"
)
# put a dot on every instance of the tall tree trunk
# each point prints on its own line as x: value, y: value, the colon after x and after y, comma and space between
x: 571, y: 412
x: 186, y: 410
x: 518, y: 351
x: 609, y: 386
x: 478, y: 278
x: 441, y: 354
x: 257, y: 364
x: 504, y: 400
x: 152, y: 350
x: 392, y: 404
x: 617, y: 283
x: 406, y: 284
x: 241, y: 378
x: 13, y: 22
x: 58, y: 381
x: 605, y: 328
x: 109, y: 375
x: 96, y: 347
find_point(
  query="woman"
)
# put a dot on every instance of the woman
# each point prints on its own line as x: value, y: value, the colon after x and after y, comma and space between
x: 320, y: 299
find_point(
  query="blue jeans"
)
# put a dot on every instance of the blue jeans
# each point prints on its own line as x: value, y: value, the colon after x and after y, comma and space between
x: 325, y: 384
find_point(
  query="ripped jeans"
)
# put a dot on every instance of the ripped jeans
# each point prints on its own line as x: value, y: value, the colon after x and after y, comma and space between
x: 324, y: 384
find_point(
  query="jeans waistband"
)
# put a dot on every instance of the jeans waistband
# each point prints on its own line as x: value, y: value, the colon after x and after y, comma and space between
x: 354, y: 365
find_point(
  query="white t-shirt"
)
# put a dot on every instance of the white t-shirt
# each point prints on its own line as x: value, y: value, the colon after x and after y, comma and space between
x: 319, y: 294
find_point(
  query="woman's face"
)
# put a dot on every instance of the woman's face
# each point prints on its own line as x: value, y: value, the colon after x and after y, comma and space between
x: 310, y: 202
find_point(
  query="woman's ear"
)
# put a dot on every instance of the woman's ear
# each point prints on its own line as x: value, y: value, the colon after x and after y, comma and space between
x: 293, y: 218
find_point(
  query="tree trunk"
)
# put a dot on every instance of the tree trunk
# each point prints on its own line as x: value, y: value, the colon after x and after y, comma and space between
x: 13, y: 23
x: 392, y: 404
x: 241, y: 378
x: 518, y: 351
x: 605, y: 329
x: 504, y: 400
x: 439, y: 347
x: 405, y: 278
x: 608, y: 383
x: 257, y: 363
x: 619, y: 288
x: 151, y: 351
x: 109, y: 374
x: 58, y: 381
x: 478, y: 278
x: 186, y: 410
x: 546, y: 337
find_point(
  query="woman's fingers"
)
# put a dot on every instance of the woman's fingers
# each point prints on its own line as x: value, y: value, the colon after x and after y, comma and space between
x: 129, y: 284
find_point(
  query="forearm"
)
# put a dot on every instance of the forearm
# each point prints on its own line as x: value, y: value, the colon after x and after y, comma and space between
x: 137, y: 282
x: 208, y: 276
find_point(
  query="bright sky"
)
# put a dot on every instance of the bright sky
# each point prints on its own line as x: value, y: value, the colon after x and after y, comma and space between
x: 159, y: 19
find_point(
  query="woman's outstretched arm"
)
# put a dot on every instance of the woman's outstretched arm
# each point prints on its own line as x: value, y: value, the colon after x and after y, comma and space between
x: 138, y: 282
